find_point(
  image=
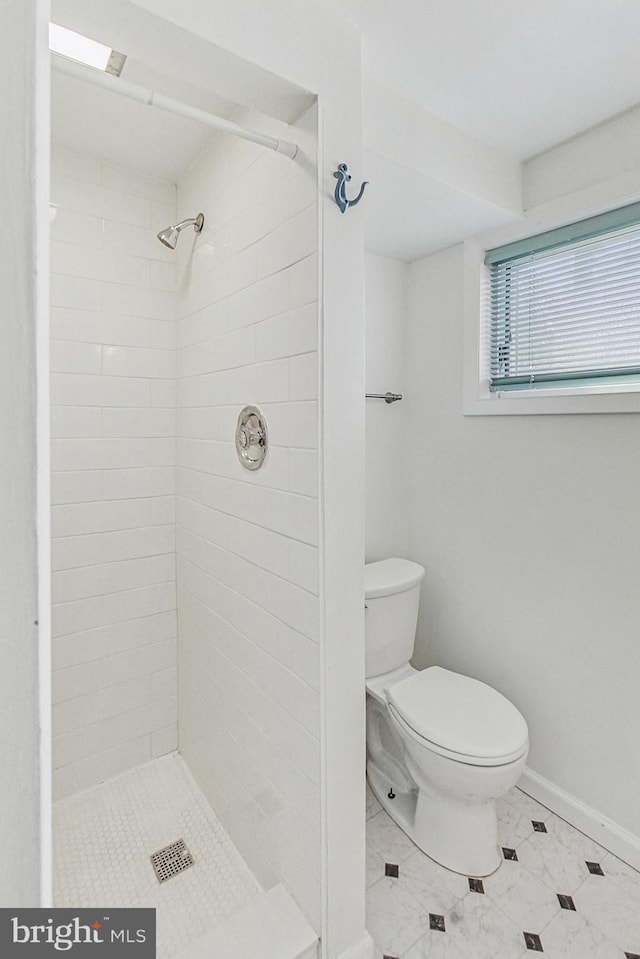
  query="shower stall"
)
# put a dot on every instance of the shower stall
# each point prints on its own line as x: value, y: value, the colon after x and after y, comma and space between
x: 185, y: 588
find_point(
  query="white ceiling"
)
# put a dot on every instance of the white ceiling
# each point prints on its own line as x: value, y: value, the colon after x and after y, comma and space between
x: 522, y: 75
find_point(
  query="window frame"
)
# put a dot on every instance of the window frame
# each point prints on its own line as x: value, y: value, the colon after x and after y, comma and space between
x: 478, y: 399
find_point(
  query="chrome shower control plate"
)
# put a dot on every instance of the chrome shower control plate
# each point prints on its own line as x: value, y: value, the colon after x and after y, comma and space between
x: 251, y: 438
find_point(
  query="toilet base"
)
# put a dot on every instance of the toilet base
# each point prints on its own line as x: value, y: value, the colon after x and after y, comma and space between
x: 402, y: 807
x: 458, y: 835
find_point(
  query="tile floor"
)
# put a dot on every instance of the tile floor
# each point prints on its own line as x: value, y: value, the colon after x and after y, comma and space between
x: 557, y: 893
x: 103, y: 839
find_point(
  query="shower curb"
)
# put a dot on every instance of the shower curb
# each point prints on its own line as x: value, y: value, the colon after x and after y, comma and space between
x: 270, y: 926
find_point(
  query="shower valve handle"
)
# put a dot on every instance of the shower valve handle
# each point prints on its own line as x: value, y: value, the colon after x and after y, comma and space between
x: 248, y: 438
x: 251, y: 437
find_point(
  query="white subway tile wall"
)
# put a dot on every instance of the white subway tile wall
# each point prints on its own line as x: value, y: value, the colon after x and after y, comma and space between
x: 247, y: 543
x: 113, y: 308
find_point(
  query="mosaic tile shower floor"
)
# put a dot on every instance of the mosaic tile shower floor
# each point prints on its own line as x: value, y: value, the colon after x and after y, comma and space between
x: 557, y: 893
x: 103, y: 839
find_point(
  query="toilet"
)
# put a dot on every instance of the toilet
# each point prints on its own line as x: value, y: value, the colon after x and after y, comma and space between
x: 441, y: 747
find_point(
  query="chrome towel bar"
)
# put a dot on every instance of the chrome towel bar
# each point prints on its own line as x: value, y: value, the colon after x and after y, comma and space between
x: 387, y: 397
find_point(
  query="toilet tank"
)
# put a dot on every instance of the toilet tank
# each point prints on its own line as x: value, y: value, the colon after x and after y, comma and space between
x: 392, y: 596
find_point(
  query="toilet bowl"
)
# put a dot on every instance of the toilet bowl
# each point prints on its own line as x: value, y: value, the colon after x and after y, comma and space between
x: 441, y: 747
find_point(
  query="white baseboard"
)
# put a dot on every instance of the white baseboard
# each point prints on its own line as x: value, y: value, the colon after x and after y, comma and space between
x: 622, y: 843
x: 364, y: 949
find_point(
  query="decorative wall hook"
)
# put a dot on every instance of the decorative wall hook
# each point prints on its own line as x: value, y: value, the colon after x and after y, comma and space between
x: 343, y: 177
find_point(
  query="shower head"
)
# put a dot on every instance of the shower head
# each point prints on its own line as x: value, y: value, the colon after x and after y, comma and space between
x: 169, y: 236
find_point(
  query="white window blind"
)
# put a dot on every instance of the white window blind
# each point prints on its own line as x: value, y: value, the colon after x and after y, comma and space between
x: 565, y: 305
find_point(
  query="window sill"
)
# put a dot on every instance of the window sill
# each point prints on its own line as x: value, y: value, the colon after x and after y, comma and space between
x: 537, y: 402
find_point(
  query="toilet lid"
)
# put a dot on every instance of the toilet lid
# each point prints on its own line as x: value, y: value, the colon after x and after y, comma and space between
x: 459, y: 714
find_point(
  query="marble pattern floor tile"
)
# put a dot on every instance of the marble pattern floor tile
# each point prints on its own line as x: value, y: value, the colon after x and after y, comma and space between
x: 481, y: 929
x: 547, y: 858
x: 528, y: 805
x: 623, y: 875
x: 387, y: 840
x: 571, y: 936
x: 514, y: 824
x: 614, y: 911
x: 375, y: 864
x: 438, y: 888
x: 581, y: 846
x: 395, y: 918
x: 434, y: 945
x: 522, y: 896
x: 373, y: 806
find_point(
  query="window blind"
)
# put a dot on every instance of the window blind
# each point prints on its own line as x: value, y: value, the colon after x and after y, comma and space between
x: 565, y: 305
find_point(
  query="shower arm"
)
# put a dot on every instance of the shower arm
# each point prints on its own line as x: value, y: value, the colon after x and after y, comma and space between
x: 195, y: 221
x: 144, y: 95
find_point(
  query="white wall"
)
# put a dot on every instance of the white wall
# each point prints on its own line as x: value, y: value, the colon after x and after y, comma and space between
x: 608, y: 151
x: 113, y: 462
x: 247, y: 542
x: 386, y: 306
x: 528, y: 529
x: 20, y: 832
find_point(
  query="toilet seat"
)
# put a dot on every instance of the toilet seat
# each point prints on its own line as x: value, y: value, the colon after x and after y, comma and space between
x: 459, y: 717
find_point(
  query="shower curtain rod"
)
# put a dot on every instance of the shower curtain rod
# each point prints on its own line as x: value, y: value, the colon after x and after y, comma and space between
x: 143, y: 95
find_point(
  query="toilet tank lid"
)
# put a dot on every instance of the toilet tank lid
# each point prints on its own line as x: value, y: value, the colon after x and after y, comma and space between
x: 390, y: 576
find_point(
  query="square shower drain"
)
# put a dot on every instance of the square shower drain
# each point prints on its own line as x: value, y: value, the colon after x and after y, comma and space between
x: 171, y: 860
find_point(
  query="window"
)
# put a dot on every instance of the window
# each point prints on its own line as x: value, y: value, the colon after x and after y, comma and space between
x: 565, y: 306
